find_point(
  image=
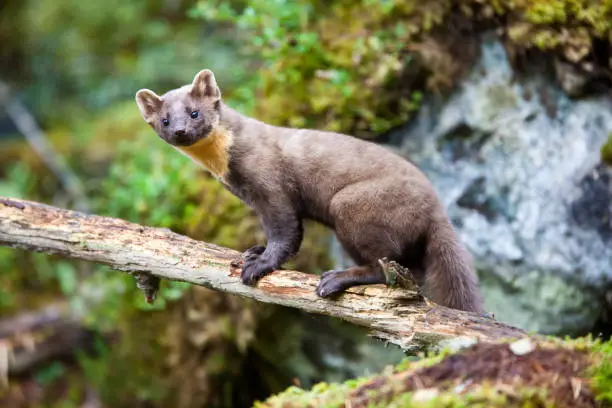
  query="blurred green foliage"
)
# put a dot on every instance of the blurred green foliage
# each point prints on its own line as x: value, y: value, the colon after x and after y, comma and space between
x: 335, y: 65
x: 90, y: 55
x: 360, y: 66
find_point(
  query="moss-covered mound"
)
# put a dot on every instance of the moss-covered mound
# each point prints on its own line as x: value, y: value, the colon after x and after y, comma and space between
x: 526, y: 373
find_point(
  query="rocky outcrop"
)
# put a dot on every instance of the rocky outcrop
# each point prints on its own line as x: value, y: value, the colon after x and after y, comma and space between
x: 517, y: 163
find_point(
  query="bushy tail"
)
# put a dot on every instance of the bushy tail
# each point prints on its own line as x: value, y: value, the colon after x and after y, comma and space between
x: 450, y: 279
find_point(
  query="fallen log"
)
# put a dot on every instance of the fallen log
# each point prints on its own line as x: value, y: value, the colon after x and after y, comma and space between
x: 399, y: 316
x: 30, y: 339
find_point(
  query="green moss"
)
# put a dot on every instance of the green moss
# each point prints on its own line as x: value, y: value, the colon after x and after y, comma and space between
x: 321, y: 395
x: 359, y: 67
x: 485, y: 395
x: 341, y: 77
x: 598, y: 376
x: 334, y: 394
x: 606, y: 151
x: 601, y: 371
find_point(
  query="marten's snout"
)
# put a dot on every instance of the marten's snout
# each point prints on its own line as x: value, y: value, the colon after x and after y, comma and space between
x: 181, y: 138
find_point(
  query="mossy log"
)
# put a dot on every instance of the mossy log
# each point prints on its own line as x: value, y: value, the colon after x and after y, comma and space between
x: 399, y: 316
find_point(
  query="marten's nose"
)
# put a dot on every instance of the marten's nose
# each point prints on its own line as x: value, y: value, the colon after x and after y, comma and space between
x: 179, y: 132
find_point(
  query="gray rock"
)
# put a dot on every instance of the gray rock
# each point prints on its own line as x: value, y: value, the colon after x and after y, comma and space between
x: 517, y: 164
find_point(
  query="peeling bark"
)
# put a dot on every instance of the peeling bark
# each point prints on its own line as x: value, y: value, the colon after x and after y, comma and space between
x: 398, y: 316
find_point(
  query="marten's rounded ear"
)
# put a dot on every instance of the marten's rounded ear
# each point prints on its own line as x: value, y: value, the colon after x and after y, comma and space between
x: 148, y: 102
x: 204, y: 85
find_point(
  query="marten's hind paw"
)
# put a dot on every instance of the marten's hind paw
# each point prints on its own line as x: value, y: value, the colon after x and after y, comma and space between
x: 330, y: 283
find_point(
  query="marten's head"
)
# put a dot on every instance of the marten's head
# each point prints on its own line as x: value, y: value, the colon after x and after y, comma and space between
x: 185, y: 115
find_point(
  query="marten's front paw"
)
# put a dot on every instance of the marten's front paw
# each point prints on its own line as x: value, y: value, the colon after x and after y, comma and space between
x: 255, y: 269
x: 249, y: 255
x: 330, y: 284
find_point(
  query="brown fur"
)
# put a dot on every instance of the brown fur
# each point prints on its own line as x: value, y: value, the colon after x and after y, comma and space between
x: 378, y: 203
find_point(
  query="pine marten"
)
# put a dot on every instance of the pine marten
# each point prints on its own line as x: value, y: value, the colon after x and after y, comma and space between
x: 379, y: 204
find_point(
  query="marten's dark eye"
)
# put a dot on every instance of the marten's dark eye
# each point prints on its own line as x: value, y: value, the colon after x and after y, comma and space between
x: 165, y: 122
x: 195, y: 114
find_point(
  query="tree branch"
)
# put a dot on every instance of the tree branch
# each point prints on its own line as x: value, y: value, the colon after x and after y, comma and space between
x: 394, y: 315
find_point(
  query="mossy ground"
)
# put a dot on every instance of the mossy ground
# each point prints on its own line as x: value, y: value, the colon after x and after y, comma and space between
x: 606, y: 151
x: 571, y: 373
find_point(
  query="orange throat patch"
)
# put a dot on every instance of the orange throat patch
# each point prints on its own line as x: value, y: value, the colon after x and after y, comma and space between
x: 211, y: 152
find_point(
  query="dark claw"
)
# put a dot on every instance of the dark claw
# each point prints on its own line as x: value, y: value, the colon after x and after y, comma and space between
x: 329, y: 284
